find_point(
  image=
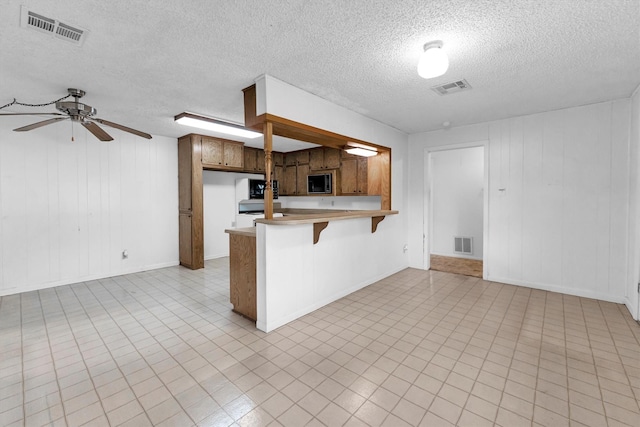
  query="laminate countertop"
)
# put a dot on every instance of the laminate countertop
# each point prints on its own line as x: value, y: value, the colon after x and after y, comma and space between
x: 312, y: 216
x: 243, y: 231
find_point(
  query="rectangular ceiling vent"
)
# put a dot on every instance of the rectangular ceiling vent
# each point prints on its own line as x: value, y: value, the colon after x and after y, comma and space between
x: 453, y: 87
x: 60, y: 30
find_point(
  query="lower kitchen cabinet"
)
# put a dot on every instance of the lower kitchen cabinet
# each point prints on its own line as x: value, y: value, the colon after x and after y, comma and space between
x: 242, y: 274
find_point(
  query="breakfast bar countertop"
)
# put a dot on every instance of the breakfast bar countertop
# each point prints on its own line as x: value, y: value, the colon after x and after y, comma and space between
x: 243, y: 231
x: 312, y: 216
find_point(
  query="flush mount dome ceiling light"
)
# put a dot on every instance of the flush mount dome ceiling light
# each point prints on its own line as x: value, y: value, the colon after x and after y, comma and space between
x: 433, y: 61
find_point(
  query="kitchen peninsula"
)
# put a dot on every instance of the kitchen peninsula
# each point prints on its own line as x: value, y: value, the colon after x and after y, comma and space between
x: 307, y: 259
x: 322, y: 267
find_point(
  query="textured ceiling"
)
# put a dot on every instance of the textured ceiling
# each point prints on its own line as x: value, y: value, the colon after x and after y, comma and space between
x: 146, y: 61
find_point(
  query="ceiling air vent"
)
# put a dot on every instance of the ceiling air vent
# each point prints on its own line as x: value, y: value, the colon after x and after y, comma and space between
x: 453, y: 87
x: 72, y: 34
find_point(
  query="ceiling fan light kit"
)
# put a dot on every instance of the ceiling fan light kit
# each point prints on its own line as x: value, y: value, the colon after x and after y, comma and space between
x: 433, y: 61
x: 76, y: 112
x: 216, y: 125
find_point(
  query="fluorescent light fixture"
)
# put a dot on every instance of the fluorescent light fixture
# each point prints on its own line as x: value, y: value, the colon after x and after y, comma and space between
x: 202, y: 122
x: 360, y: 149
x: 433, y: 61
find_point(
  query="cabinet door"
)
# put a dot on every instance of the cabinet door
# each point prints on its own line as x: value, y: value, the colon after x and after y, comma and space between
x: 349, y: 176
x: 278, y: 158
x: 212, y: 151
x: 331, y: 158
x: 233, y: 155
x: 250, y: 159
x: 290, y: 159
x: 301, y: 177
x: 260, y: 160
x: 302, y: 157
x: 277, y: 174
x: 288, y: 186
x: 316, y: 159
x: 362, y: 175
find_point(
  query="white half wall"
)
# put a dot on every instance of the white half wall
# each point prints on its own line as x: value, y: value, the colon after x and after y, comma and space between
x: 220, y: 209
x: 296, y: 277
x: 562, y: 223
x: 69, y: 209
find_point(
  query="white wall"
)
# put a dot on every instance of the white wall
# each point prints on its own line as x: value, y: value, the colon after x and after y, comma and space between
x: 69, y: 209
x: 220, y: 209
x: 562, y: 223
x: 331, y: 202
x: 457, y: 201
x: 632, y: 299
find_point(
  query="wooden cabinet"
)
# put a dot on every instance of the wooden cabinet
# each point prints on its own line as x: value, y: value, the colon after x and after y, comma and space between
x: 242, y: 274
x: 302, y: 157
x: 353, y: 175
x: 190, y: 213
x: 288, y: 186
x: 277, y: 158
x: 324, y: 158
x: 301, y: 177
x: 291, y: 159
x: 222, y: 154
x: 250, y: 159
x: 254, y: 160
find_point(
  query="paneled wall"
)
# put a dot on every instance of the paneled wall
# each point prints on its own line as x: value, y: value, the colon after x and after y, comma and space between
x: 69, y: 209
x: 561, y: 221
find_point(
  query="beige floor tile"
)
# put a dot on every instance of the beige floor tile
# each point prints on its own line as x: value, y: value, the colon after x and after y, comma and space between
x: 371, y: 413
x: 445, y: 410
x: 409, y: 412
x: 163, y: 348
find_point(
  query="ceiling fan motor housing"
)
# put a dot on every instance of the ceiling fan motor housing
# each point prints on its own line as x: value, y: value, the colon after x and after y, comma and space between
x: 75, y: 109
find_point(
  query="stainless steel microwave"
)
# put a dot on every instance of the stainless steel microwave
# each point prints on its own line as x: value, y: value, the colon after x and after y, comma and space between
x: 320, y: 184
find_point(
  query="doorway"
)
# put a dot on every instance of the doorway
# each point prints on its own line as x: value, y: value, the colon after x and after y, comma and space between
x: 456, y: 209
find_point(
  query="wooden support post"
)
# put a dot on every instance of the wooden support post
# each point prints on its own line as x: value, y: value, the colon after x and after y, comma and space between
x: 268, y: 192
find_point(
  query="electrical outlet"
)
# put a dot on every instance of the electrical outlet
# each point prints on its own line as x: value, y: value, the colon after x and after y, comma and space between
x: 125, y: 254
x: 405, y: 248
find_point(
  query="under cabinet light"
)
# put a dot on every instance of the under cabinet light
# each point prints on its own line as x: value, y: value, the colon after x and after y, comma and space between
x: 202, y: 122
x: 360, y: 150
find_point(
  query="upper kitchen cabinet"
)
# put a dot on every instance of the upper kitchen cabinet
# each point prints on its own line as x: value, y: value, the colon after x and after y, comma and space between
x: 324, y: 158
x: 254, y: 160
x: 222, y: 154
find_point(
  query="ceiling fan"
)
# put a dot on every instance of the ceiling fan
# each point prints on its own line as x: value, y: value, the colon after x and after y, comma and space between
x: 77, y: 112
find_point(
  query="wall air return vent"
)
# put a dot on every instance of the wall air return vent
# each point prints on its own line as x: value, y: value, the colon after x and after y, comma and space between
x: 463, y: 245
x: 452, y: 87
x: 60, y: 30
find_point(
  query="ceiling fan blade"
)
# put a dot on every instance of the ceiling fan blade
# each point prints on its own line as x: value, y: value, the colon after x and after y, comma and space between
x: 32, y: 114
x: 39, y: 124
x: 124, y: 128
x: 97, y: 131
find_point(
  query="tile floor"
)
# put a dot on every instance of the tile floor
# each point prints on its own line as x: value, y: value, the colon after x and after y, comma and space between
x: 418, y: 348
